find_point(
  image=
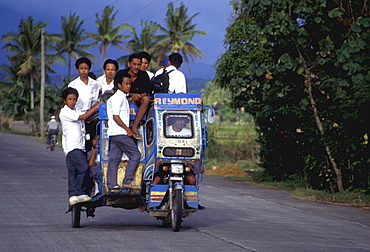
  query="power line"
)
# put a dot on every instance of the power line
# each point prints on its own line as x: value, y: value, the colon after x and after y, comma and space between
x: 144, y: 8
x: 158, y: 12
x: 120, y: 22
x: 100, y: 10
x: 137, y: 11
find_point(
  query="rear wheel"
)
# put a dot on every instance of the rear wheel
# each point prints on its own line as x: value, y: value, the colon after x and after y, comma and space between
x: 76, y: 216
x: 53, y: 142
x: 176, y: 211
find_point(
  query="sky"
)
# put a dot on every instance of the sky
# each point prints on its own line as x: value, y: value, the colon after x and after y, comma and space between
x: 214, y: 17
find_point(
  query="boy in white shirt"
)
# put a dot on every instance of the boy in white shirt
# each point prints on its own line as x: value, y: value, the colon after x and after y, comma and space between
x: 177, y: 80
x: 73, y: 142
x: 120, y: 134
x: 87, y: 88
x: 110, y: 68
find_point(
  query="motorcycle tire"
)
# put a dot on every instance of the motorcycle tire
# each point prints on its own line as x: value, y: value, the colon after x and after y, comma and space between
x: 176, y: 211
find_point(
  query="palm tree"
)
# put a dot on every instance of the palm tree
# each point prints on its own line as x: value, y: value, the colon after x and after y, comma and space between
x: 146, y: 41
x: 72, y: 35
x: 27, y: 48
x: 108, y: 34
x: 179, y: 32
x: 13, y: 94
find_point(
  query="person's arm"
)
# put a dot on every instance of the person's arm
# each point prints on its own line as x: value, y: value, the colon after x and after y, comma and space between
x: 118, y: 120
x: 135, y: 96
x: 89, y: 112
x: 92, y: 157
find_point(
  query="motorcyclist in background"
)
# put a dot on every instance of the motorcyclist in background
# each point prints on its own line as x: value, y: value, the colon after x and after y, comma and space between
x: 52, y: 128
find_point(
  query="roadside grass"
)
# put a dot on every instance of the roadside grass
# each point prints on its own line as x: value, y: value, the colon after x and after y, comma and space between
x: 233, y: 152
x: 295, y: 186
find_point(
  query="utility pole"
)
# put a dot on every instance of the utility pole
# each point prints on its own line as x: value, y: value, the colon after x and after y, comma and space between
x: 42, y: 91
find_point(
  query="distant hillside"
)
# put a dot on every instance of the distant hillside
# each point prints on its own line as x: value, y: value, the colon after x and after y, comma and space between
x: 198, y: 70
x: 197, y: 75
x: 196, y: 84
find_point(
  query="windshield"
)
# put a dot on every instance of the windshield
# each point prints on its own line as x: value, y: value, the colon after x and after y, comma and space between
x: 178, y: 125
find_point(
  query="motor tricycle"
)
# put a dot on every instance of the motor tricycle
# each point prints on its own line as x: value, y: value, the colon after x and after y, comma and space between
x: 172, y: 147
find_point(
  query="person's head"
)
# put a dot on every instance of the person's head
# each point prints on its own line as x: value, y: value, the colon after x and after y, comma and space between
x: 134, y: 63
x: 122, y: 81
x: 164, y: 63
x: 95, y: 140
x: 110, y: 68
x: 175, y: 60
x: 70, y: 96
x: 145, y: 60
x: 83, y: 66
x: 52, y: 117
x: 180, y: 122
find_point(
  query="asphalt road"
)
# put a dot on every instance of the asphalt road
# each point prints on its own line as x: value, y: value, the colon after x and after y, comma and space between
x: 238, y: 217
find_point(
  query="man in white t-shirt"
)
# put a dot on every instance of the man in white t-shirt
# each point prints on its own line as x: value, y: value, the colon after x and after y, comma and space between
x: 105, y: 81
x: 177, y: 80
x: 177, y: 127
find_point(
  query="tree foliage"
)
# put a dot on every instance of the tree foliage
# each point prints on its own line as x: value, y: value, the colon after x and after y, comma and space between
x: 108, y: 34
x: 178, y: 33
x: 20, y: 89
x: 25, y: 47
x: 147, y: 41
x: 72, y: 37
x: 301, y: 68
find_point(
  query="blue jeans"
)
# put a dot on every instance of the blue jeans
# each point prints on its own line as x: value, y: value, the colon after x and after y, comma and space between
x: 78, y: 171
x: 120, y: 144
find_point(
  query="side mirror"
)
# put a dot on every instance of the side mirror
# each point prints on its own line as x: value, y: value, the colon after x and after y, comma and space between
x: 210, y: 115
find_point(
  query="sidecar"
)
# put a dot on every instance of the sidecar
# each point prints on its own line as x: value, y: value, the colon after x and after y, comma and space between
x: 171, y: 168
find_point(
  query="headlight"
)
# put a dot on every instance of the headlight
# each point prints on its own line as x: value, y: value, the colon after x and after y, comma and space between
x: 177, y: 168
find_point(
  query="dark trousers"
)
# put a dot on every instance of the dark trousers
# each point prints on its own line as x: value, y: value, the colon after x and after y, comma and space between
x: 50, y: 133
x: 120, y: 144
x: 78, y: 170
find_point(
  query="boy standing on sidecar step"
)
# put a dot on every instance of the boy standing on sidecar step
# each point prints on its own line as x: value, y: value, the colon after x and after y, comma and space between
x: 120, y: 134
x: 73, y: 127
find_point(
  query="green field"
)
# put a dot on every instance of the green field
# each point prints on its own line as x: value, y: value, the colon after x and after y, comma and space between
x: 232, y: 144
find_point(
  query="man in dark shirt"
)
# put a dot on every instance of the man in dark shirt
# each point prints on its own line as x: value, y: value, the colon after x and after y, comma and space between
x: 140, y: 89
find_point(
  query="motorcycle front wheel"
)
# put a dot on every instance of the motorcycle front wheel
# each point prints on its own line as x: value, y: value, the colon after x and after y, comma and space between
x: 176, y: 211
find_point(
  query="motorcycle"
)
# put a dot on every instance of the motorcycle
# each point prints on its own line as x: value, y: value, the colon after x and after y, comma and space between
x: 53, y: 142
x: 172, y: 147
